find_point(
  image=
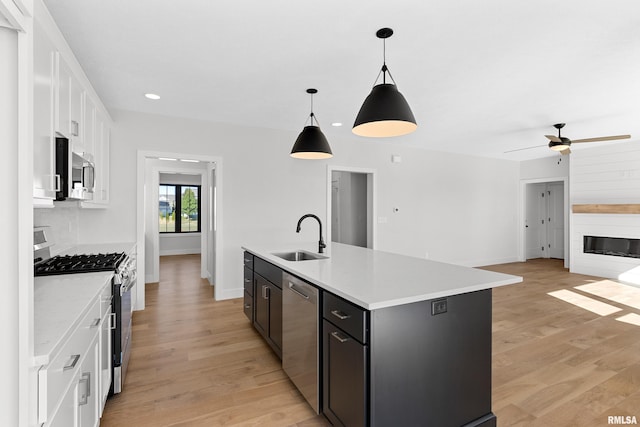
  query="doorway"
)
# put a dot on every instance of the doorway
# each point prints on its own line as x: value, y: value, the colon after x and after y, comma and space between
x: 351, y: 206
x: 147, y: 216
x: 544, y: 220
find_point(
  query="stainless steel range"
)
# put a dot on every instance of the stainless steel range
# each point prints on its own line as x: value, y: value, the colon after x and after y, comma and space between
x: 124, y: 267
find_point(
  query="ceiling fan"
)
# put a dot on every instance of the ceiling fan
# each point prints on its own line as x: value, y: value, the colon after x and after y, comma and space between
x: 561, y: 144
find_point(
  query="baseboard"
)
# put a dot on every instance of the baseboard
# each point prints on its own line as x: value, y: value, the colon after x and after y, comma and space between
x: 231, y: 294
x: 179, y: 252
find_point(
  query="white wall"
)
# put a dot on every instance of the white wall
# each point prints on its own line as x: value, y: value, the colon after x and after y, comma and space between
x: 458, y: 208
x: 9, y: 303
x: 605, y: 174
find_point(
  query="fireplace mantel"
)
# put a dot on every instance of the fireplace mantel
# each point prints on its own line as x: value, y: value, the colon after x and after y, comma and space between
x: 607, y: 208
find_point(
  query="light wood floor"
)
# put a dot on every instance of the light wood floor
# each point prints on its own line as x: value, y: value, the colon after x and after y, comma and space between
x: 198, y: 362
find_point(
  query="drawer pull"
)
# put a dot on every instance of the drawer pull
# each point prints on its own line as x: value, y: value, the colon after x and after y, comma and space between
x: 247, y: 260
x: 247, y: 280
x: 337, y: 336
x: 95, y: 323
x: 247, y: 306
x: 113, y: 321
x: 340, y: 315
x: 74, y: 361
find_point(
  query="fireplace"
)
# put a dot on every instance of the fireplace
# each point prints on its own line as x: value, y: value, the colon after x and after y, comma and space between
x: 612, y: 246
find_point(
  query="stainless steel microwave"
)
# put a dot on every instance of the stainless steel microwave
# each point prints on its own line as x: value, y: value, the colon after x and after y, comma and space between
x: 76, y: 172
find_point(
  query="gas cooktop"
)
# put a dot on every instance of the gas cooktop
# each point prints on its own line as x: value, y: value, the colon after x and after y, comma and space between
x: 69, y: 264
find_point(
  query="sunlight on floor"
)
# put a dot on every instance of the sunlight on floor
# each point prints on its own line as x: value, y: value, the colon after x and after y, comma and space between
x: 594, y: 306
x: 613, y: 291
x: 631, y: 318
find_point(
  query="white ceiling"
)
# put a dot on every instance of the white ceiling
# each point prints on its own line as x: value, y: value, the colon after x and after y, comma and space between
x: 482, y: 77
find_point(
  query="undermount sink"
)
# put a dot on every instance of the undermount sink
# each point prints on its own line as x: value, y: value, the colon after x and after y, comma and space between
x: 299, y: 256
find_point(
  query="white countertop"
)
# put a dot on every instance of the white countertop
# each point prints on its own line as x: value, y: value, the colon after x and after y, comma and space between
x: 59, y: 304
x: 375, y: 279
x: 60, y: 301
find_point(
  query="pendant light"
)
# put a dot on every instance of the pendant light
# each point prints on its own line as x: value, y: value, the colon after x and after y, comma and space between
x: 311, y: 143
x: 385, y: 112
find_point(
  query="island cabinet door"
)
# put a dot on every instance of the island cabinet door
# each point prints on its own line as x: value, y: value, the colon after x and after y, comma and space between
x: 344, y: 383
x: 261, y: 306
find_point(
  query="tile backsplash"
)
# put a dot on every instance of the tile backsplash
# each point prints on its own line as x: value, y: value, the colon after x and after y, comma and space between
x: 63, y: 225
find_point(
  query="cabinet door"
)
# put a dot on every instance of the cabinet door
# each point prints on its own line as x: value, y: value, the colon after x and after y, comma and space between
x: 261, y: 306
x: 88, y: 390
x: 67, y: 414
x: 88, y: 121
x: 344, y: 379
x: 105, y: 359
x: 62, y: 98
x: 275, y: 317
x: 76, y: 110
x: 44, y: 179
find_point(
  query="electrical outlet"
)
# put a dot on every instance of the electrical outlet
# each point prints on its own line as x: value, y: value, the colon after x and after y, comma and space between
x: 438, y: 306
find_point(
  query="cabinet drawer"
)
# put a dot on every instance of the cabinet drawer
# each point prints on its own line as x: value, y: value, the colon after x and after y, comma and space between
x: 248, y: 306
x: 54, y: 378
x: 248, y: 280
x: 268, y: 271
x: 348, y: 317
x: 248, y: 260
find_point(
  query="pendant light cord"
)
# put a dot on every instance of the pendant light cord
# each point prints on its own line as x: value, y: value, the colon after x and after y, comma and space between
x: 312, y: 116
x: 385, y: 70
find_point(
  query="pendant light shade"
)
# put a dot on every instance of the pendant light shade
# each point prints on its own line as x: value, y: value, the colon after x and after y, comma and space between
x: 311, y: 144
x: 385, y: 112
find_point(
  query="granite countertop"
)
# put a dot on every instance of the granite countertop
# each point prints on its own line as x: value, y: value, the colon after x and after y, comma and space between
x: 374, y: 279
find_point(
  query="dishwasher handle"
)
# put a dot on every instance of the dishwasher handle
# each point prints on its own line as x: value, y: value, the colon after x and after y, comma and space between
x: 292, y: 286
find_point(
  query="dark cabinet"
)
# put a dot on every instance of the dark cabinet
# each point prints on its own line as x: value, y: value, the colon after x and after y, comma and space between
x: 248, y: 286
x: 267, y: 300
x: 345, y: 335
x: 345, y: 378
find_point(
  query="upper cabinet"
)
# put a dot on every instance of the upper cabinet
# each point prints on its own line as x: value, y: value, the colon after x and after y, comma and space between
x: 45, y: 181
x: 66, y: 106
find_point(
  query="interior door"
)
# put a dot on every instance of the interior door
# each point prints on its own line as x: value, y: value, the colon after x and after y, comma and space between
x: 534, y: 221
x: 555, y: 219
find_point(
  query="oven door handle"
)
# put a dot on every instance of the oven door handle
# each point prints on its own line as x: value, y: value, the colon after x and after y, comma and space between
x: 126, y: 286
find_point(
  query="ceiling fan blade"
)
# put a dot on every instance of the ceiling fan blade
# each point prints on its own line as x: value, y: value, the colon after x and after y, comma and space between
x: 526, y: 148
x: 553, y: 138
x: 602, y: 138
x: 567, y: 151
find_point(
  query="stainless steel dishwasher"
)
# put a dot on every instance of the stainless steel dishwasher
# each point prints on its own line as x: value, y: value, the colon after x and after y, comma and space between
x: 300, y: 334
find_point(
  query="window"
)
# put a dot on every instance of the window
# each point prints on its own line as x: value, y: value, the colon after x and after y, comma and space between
x: 179, y: 208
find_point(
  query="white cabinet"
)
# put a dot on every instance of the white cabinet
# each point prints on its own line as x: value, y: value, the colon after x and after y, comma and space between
x: 76, y: 109
x: 105, y: 356
x: 65, y: 106
x: 68, y: 105
x: 45, y: 181
x: 71, y: 386
x: 62, y: 103
x: 89, y: 132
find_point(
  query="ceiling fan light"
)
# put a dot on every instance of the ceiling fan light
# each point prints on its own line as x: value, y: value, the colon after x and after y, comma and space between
x: 559, y: 145
x: 311, y: 144
x: 384, y: 113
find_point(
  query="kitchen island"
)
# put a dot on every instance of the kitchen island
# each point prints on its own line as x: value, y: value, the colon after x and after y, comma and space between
x: 401, y: 340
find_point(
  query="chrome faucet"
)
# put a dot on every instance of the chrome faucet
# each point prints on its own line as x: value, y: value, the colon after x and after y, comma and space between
x: 321, y: 244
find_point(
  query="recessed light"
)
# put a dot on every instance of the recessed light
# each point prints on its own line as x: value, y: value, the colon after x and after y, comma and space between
x: 167, y: 158
x: 152, y: 96
x: 336, y: 124
x: 190, y: 161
